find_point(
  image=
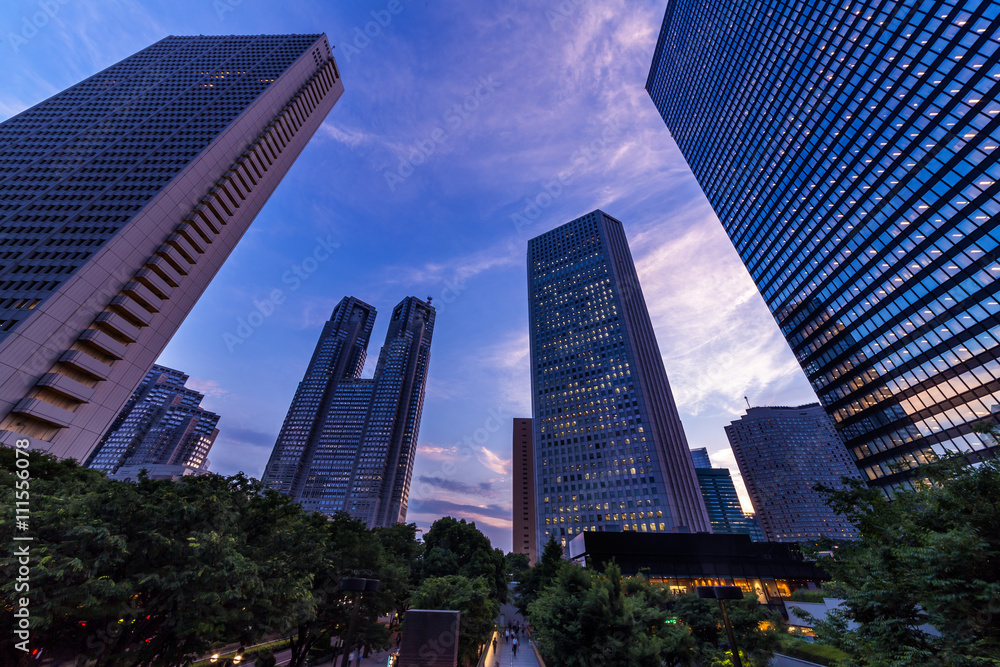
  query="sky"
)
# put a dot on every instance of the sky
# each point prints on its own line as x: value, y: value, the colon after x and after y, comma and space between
x: 465, y: 129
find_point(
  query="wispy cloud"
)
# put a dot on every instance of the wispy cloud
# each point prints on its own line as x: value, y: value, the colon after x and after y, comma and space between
x: 493, y: 461
x: 495, y: 515
x: 210, y: 388
x: 716, y: 336
x: 483, y: 489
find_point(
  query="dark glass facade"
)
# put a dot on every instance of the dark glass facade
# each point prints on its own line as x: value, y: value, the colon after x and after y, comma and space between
x: 721, y: 499
x: 782, y: 453
x: 348, y: 443
x: 120, y: 199
x: 610, y: 450
x: 162, y: 424
x: 850, y: 150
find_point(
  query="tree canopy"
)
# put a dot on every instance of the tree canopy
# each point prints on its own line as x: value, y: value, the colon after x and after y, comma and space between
x: 157, y: 572
x: 928, y: 557
x: 453, y: 546
x: 583, y: 618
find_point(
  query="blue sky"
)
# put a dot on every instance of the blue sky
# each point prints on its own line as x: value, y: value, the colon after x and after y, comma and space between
x: 464, y: 130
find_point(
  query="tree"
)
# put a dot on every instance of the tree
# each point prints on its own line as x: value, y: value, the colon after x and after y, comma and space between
x: 539, y: 576
x: 757, y: 630
x: 457, y: 547
x: 157, y: 572
x: 470, y: 596
x: 584, y: 618
x: 517, y: 566
x: 153, y: 572
x: 401, y: 570
x: 349, y: 550
x: 930, y: 556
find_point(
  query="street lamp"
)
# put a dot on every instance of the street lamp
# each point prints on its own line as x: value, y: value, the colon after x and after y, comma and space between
x: 721, y: 593
x: 358, y: 587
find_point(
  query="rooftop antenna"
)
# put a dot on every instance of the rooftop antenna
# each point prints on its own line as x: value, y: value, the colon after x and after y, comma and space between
x: 748, y: 402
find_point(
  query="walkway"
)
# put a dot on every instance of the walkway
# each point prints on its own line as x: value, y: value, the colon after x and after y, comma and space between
x: 505, y: 652
x: 525, y: 654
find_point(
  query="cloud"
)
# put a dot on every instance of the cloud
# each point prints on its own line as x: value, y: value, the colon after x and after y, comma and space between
x: 457, y: 270
x: 493, y: 461
x: 718, y: 340
x: 210, y: 388
x: 437, y: 452
x: 484, y: 489
x: 246, y: 436
x: 496, y: 515
x: 238, y: 449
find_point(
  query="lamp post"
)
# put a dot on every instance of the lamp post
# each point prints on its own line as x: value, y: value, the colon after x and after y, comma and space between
x: 721, y: 593
x: 358, y: 587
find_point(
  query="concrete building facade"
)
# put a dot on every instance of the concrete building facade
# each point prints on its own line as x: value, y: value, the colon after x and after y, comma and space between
x: 524, y: 535
x: 120, y: 198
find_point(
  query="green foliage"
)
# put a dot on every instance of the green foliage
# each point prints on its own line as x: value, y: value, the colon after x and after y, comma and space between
x: 517, y: 566
x: 457, y: 547
x: 544, y: 572
x: 929, y: 556
x: 819, y: 653
x: 757, y: 630
x: 264, y: 659
x: 470, y: 596
x: 583, y: 618
x: 158, y: 572
x: 401, y: 569
x: 806, y: 595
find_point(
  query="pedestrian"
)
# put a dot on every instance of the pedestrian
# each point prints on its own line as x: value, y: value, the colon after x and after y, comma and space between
x: 506, y: 636
x: 514, y: 647
x: 494, y: 644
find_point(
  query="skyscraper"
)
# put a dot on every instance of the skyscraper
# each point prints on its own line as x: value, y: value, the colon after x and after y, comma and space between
x: 524, y: 534
x: 782, y: 454
x: 162, y: 424
x: 120, y: 198
x: 850, y: 151
x: 610, y: 451
x: 717, y: 488
x: 699, y: 457
x: 348, y: 443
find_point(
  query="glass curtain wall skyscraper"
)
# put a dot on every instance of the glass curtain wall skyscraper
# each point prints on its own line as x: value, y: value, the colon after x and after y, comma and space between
x: 163, y: 423
x: 783, y: 452
x: 120, y: 198
x: 348, y: 443
x: 610, y: 451
x: 850, y: 150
